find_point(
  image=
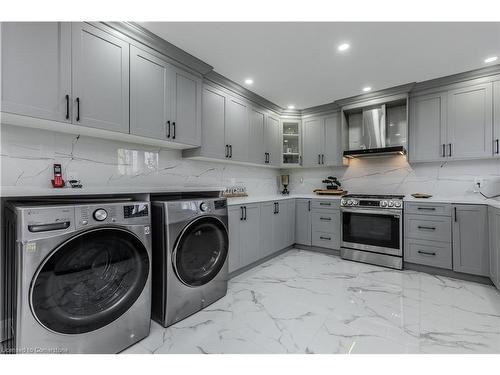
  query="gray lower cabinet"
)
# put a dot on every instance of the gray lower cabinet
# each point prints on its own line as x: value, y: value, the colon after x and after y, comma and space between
x: 494, y: 231
x: 325, y: 225
x: 277, y: 226
x: 150, y: 95
x: 267, y: 219
x: 303, y: 221
x: 244, y: 228
x: 470, y: 239
x: 281, y: 226
x: 429, y: 253
x: 100, y: 79
x: 185, y: 107
x: 36, y: 69
x: 290, y: 226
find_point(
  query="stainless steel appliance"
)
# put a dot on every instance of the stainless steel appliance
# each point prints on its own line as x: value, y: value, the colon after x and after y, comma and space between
x: 78, y: 276
x: 190, y: 251
x: 372, y: 229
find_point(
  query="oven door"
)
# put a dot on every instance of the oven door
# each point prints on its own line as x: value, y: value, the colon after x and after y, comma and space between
x: 378, y: 231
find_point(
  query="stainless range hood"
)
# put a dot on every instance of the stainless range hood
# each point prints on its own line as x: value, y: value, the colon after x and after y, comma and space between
x: 376, y: 130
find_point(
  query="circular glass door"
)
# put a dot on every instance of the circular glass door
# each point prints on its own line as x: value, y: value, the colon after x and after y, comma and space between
x: 90, y: 281
x: 201, y: 251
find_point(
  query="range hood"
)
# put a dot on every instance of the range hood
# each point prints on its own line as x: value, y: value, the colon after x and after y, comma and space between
x: 376, y: 131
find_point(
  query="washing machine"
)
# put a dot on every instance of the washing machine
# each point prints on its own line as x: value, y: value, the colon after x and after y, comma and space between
x: 190, y: 251
x: 78, y: 275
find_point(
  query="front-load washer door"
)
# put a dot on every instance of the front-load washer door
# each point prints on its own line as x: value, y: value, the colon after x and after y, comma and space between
x: 89, y: 281
x: 200, y: 251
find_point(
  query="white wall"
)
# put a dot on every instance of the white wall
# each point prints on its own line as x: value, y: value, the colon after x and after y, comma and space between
x: 27, y: 156
x: 395, y: 175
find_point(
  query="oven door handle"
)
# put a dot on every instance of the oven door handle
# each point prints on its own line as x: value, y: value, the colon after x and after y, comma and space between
x: 395, y: 213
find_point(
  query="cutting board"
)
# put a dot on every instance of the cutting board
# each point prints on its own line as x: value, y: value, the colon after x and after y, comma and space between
x: 329, y: 192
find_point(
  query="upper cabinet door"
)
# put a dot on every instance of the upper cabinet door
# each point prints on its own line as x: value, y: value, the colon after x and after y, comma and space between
x: 36, y: 69
x: 313, y: 141
x: 186, y: 107
x: 213, y: 118
x: 332, y: 140
x: 100, y: 79
x: 149, y: 95
x: 427, y: 127
x: 256, y: 136
x: 470, y: 122
x: 496, y: 119
x: 271, y: 140
x: 237, y: 129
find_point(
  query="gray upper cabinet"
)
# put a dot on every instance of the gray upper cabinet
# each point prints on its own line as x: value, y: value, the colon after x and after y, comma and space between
x: 149, y: 95
x: 496, y: 119
x: 470, y: 122
x: 237, y: 129
x: 494, y: 230
x: 213, y: 123
x: 303, y: 221
x: 332, y: 140
x: 36, y: 69
x: 427, y: 127
x: 313, y: 141
x: 271, y: 139
x: 256, y: 136
x: 100, y: 79
x: 470, y: 239
x: 185, y: 107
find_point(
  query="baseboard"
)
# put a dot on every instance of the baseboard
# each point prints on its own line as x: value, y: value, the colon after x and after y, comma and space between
x: 259, y: 262
x: 317, y: 249
x: 448, y: 273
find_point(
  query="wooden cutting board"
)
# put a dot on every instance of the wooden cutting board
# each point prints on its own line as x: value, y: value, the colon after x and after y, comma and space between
x: 329, y: 192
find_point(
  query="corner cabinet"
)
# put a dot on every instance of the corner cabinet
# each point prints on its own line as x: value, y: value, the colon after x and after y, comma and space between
x: 303, y: 228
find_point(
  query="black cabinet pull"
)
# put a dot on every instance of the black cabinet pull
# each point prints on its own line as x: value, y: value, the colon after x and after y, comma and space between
x: 322, y: 158
x: 67, y: 107
x: 325, y: 218
x: 230, y: 151
x: 245, y: 210
x: 168, y: 129
x: 268, y: 157
x: 319, y: 158
x: 77, y: 109
x: 173, y: 133
x: 427, y: 208
x: 426, y: 253
x: 227, y: 151
x: 444, y: 150
x: 278, y: 206
x: 449, y: 151
x: 424, y: 227
x: 325, y: 238
x: 309, y: 206
x: 498, y: 146
x: 455, y: 211
x: 241, y: 213
x: 324, y: 204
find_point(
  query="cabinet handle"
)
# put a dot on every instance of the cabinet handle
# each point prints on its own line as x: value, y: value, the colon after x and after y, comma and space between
x: 245, y: 211
x: 449, y: 153
x: 322, y: 158
x: 278, y: 207
x: 326, y: 218
x: 268, y: 157
x: 300, y: 160
x: 426, y: 252
x: 424, y: 227
x: 230, y: 151
x: 498, y: 146
x: 241, y: 209
x: 168, y: 129
x: 67, y: 107
x: 455, y: 212
x: 319, y: 158
x: 227, y: 151
x: 427, y: 208
x: 274, y: 208
x: 78, y: 109
x: 173, y: 126
x: 309, y: 205
x: 444, y: 150
x: 325, y: 238
x: 325, y: 204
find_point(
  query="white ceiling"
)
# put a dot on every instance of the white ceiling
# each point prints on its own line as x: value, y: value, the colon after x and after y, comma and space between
x: 298, y: 63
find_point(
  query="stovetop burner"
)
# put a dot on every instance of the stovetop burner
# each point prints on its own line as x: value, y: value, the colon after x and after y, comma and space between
x: 374, y: 196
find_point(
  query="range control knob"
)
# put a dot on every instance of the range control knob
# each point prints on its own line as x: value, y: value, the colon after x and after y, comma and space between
x: 203, y: 206
x: 397, y: 204
x: 100, y: 214
x: 350, y: 202
x: 343, y: 202
x: 391, y: 204
x: 383, y: 204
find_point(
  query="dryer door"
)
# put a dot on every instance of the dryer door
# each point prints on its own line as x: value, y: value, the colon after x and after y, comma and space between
x: 89, y: 281
x: 200, y: 251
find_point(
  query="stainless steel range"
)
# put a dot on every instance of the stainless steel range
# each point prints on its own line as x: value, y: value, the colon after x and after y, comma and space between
x: 372, y: 229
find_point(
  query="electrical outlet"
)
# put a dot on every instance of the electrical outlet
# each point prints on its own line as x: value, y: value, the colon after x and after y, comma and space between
x: 72, y: 175
x: 478, y: 183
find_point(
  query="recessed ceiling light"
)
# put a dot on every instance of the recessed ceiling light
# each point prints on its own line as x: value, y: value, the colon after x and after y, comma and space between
x: 491, y: 59
x: 249, y: 81
x: 366, y: 89
x: 343, y: 47
x: 291, y: 106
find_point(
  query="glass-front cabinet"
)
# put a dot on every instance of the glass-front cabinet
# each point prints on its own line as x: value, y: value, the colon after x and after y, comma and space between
x: 291, y: 142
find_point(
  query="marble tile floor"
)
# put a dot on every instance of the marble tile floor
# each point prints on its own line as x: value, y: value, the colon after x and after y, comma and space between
x: 308, y: 302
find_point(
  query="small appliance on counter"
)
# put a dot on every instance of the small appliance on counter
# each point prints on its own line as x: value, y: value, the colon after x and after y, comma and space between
x: 285, y: 181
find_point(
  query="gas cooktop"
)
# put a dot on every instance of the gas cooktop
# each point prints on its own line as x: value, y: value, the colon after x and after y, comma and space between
x: 374, y: 196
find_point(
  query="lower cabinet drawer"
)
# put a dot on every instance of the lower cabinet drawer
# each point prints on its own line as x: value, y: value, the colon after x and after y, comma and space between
x: 325, y: 239
x: 427, y: 227
x: 429, y: 253
x: 326, y: 221
x: 326, y: 203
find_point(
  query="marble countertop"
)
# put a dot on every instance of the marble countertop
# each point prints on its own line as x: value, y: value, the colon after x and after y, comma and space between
x: 276, y: 197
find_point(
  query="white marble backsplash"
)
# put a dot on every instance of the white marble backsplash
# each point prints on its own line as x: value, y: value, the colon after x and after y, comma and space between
x: 27, y: 157
x: 393, y: 175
